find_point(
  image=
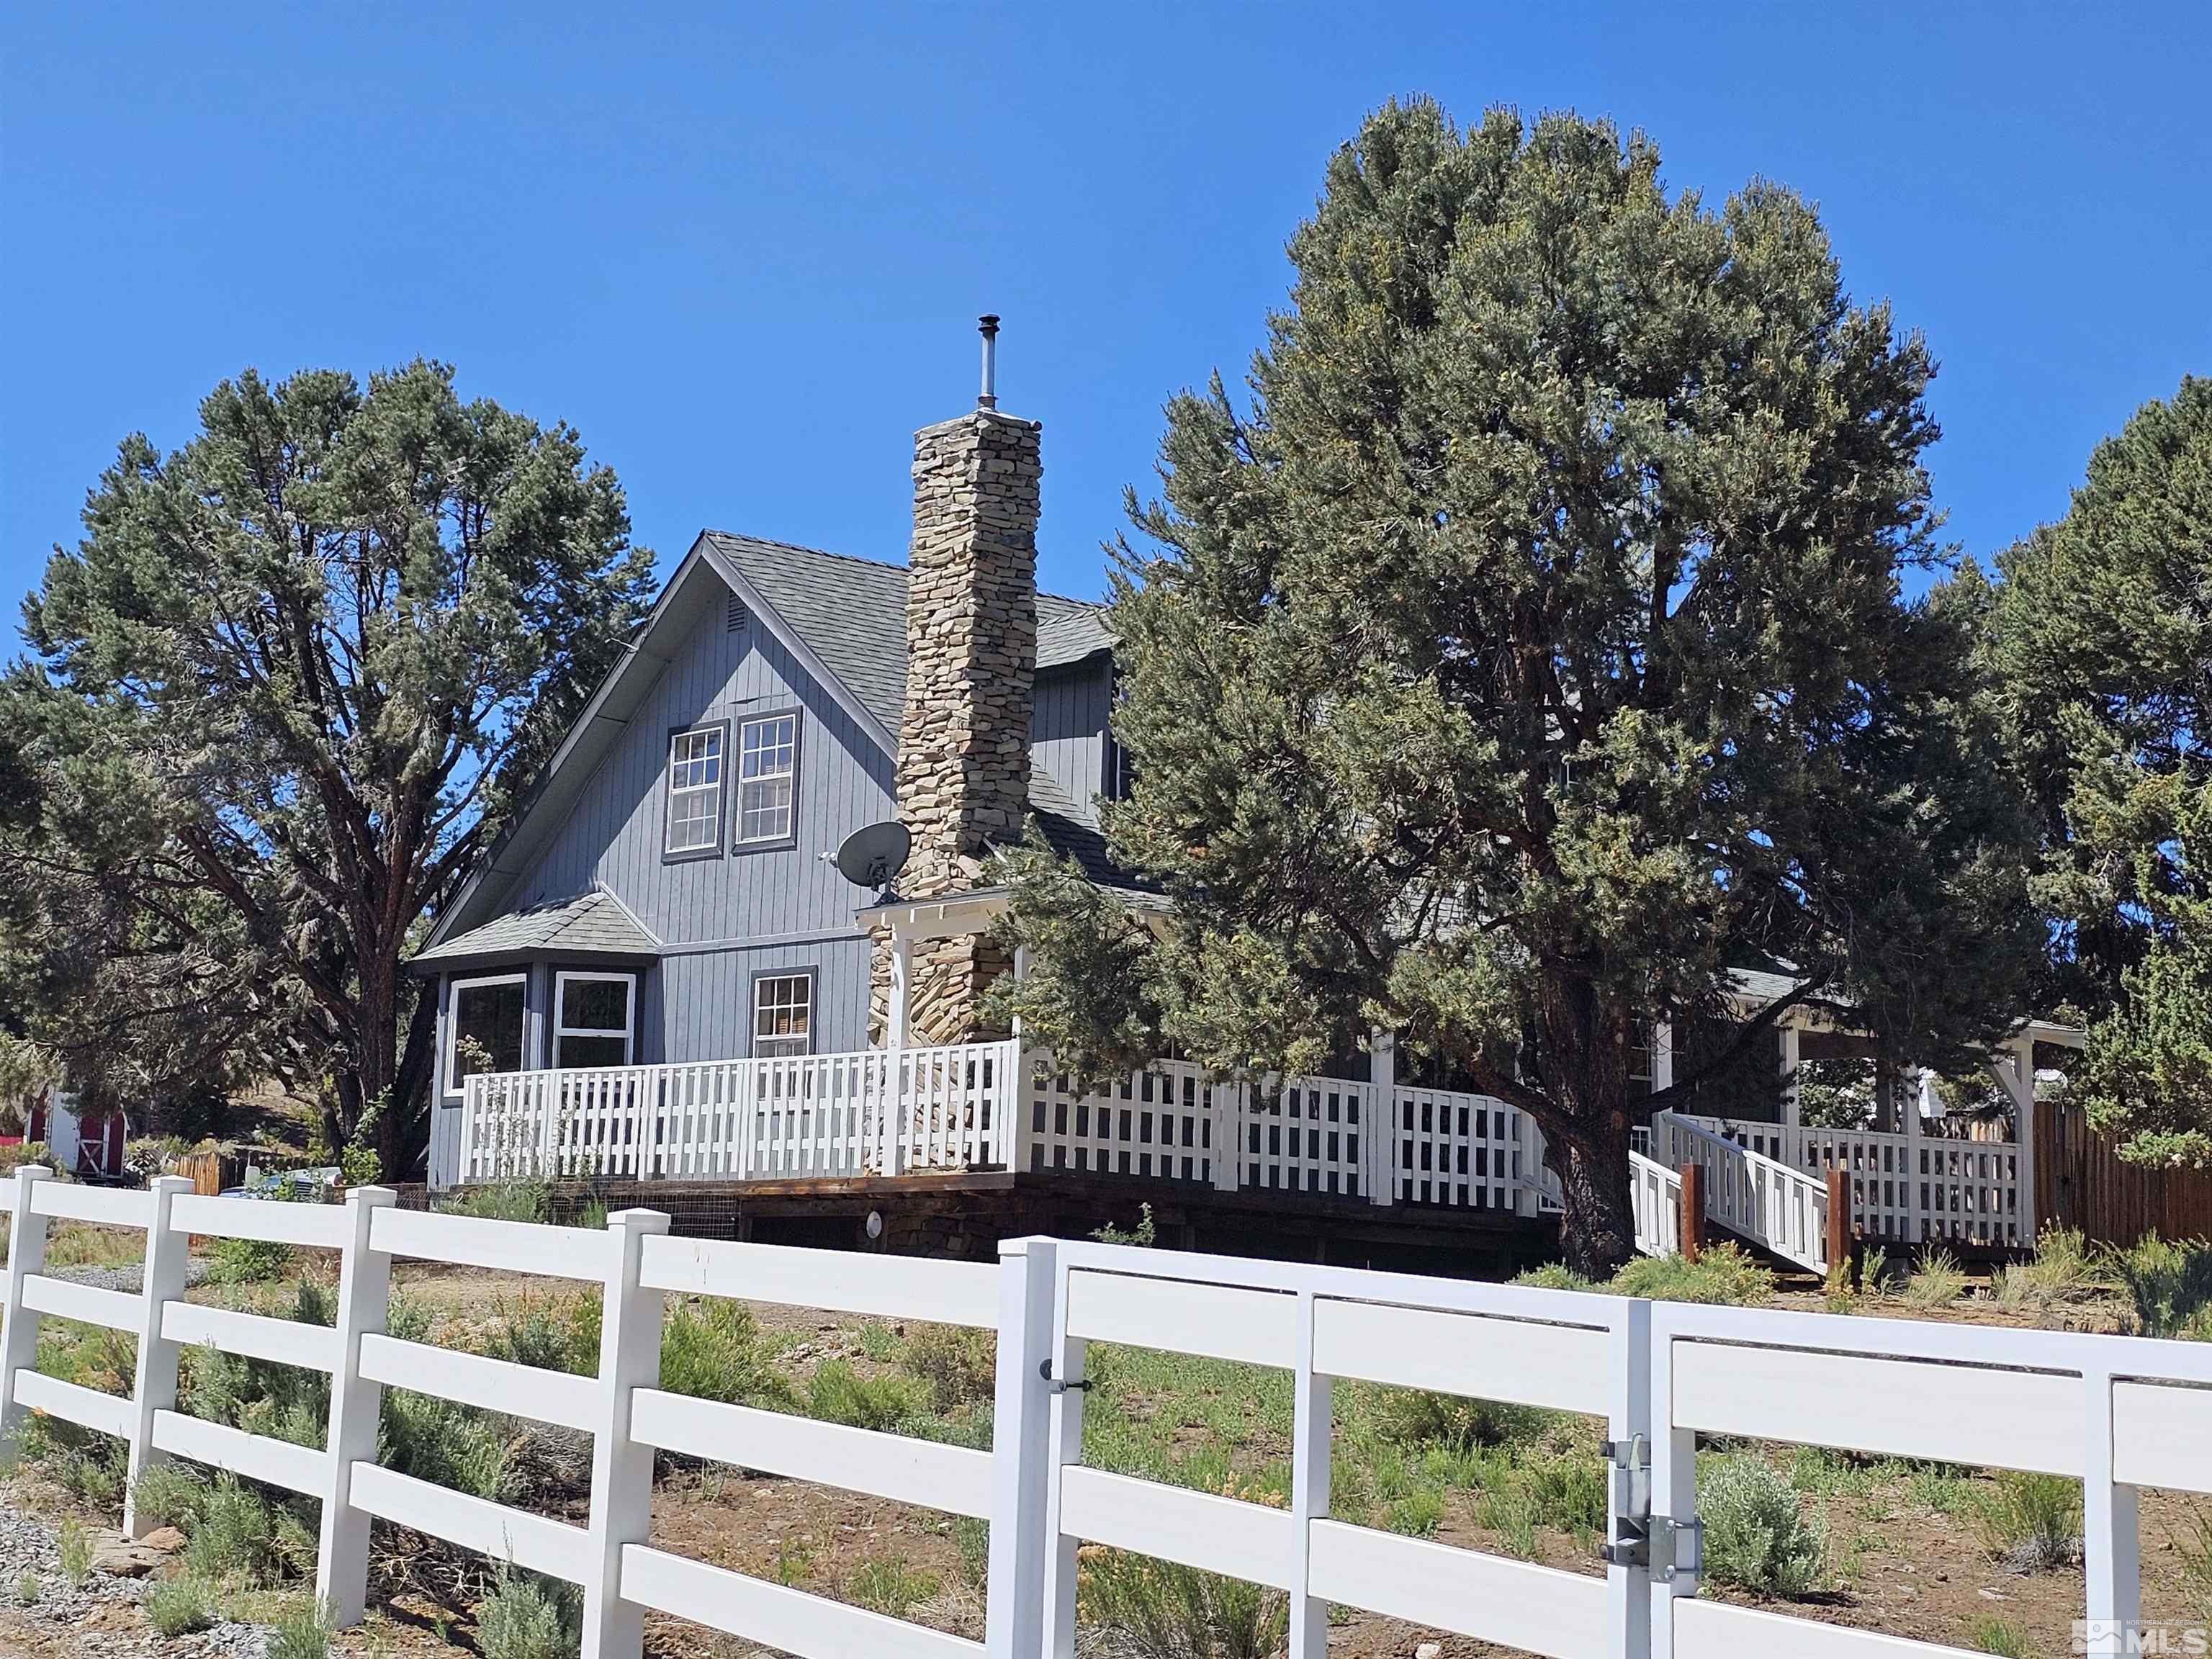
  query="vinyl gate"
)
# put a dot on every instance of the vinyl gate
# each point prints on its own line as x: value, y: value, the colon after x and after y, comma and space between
x: 2116, y: 1413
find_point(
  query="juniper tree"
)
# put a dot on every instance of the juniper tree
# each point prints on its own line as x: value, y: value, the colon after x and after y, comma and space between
x: 321, y: 647
x: 2102, y: 637
x: 1529, y: 652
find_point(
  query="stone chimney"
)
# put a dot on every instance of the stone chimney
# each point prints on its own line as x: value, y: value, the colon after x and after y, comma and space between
x: 963, y: 759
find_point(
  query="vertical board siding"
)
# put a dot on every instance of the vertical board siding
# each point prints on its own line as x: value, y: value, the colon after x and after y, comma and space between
x: 614, y: 833
x: 1067, y: 728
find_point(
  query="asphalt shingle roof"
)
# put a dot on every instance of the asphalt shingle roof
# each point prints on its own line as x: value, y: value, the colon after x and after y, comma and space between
x: 592, y: 924
x: 852, y: 612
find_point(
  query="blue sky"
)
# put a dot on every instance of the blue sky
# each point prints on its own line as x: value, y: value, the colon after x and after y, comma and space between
x: 742, y: 248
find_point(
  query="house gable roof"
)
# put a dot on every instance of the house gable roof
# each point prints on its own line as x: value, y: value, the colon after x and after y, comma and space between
x: 843, y: 618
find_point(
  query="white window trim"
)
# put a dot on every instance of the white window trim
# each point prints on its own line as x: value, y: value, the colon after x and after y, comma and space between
x: 561, y: 1029
x: 454, y: 989
x: 812, y: 978
x: 720, y: 789
x: 735, y: 769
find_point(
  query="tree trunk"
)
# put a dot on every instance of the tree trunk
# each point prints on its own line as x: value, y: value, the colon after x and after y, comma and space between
x: 1597, y: 1228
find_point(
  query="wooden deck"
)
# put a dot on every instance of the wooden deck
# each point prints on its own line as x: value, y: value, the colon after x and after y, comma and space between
x: 966, y: 1214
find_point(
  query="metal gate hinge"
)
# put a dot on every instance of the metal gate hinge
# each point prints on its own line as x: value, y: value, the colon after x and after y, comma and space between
x: 1060, y: 1385
x: 1683, y: 1554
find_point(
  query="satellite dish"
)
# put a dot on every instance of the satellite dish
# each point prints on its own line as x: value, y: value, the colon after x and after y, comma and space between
x: 873, y: 856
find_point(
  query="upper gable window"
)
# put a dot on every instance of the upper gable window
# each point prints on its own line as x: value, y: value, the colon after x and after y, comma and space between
x: 695, y: 789
x: 767, y: 765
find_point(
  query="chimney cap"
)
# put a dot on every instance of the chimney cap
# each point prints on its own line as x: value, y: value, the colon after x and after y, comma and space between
x: 988, y: 327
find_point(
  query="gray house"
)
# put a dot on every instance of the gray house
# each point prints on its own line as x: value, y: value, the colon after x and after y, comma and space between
x: 666, y: 895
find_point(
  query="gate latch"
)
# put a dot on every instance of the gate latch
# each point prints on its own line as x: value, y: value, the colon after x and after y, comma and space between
x: 1630, y: 1546
x: 1060, y: 1385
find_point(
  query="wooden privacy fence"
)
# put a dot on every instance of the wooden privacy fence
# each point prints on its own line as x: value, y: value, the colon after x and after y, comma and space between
x: 2081, y: 1182
x: 2115, y: 1413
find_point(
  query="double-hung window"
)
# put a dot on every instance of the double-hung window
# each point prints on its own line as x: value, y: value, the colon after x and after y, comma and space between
x: 594, y: 1018
x: 483, y: 1027
x: 695, y: 790
x: 783, y: 1015
x: 767, y: 765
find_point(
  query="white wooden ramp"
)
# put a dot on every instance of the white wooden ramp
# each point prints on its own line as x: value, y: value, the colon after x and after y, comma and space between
x: 1765, y: 1202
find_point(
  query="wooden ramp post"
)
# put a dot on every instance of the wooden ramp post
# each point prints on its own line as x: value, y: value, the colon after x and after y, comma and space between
x: 1694, y: 1210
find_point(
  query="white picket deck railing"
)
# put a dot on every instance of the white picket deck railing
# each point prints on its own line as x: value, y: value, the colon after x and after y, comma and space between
x: 2116, y: 1413
x: 873, y: 1112
x: 990, y: 1105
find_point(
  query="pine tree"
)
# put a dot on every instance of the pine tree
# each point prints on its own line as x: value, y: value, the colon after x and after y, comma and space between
x: 2101, y: 636
x: 1529, y: 653
x: 309, y: 659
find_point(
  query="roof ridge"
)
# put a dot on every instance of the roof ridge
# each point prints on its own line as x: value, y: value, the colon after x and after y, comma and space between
x: 875, y: 564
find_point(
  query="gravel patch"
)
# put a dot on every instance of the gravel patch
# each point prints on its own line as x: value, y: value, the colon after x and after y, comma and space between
x: 100, y: 1620
x: 128, y: 1276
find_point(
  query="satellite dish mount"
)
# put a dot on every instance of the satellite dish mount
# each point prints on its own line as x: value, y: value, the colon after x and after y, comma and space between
x: 872, y: 857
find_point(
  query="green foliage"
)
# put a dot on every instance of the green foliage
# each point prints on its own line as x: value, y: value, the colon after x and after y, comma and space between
x: 1420, y: 1417
x: 74, y: 1547
x: 593, y: 1215
x: 2192, y: 1546
x: 2171, y: 1286
x: 1463, y: 700
x: 2100, y: 635
x: 237, y: 1535
x: 449, y: 1445
x: 171, y: 1493
x: 1144, y: 1235
x: 1990, y: 1634
x: 526, y: 1617
x: 560, y: 1333
x: 29, y: 1590
x: 503, y: 1200
x: 1936, y: 1281
x: 973, y: 1538
x: 1756, y: 1537
x: 2063, y: 1270
x: 1723, y: 1273
x: 838, y: 1393
x: 957, y: 1365
x: 1836, y: 1094
x: 246, y: 1260
x: 885, y: 1584
x: 2032, y: 1522
x: 301, y: 1633
x: 179, y: 1605
x: 367, y: 614
x: 714, y: 1349
x: 1160, y: 1610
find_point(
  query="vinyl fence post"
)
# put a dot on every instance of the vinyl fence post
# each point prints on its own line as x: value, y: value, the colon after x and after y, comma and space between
x: 1631, y: 1496
x: 356, y: 1404
x: 19, y: 1344
x: 1021, y: 1452
x: 621, y: 1469
x: 168, y: 1254
x: 1673, y: 1474
x: 1312, y: 1418
x: 2112, y: 1533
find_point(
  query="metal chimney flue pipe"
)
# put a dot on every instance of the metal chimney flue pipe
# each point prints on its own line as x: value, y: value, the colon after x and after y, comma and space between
x: 987, y: 325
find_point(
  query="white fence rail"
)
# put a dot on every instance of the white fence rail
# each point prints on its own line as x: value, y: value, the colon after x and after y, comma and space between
x: 2115, y: 1413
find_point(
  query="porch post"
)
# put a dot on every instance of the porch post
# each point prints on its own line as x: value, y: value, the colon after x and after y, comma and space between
x: 1382, y: 1136
x: 1786, y: 1038
x: 895, y: 1019
x: 1662, y: 1055
x: 2016, y: 1072
x: 1923, y: 1183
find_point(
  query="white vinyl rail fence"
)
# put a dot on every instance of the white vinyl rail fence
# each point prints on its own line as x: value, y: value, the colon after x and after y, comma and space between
x: 2115, y: 1413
